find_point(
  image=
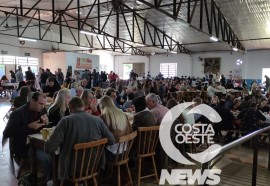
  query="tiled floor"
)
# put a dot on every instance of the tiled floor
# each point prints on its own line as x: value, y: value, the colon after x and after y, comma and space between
x: 236, y: 165
x: 7, y: 178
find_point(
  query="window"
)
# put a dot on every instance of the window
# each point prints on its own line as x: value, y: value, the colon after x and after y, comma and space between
x: 168, y: 69
x: 7, y: 59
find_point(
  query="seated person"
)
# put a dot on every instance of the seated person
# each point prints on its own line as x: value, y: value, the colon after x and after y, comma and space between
x: 22, y: 98
x: 143, y: 117
x: 128, y: 103
x: 251, y: 118
x: 236, y: 105
x: 211, y: 90
x: 51, y: 87
x: 31, y: 84
x: 116, y: 121
x: 263, y: 106
x: 4, y: 79
x: 15, y: 92
x: 90, y: 103
x: 226, y: 122
x: 59, y: 108
x: 214, y: 101
x: 112, y: 93
x: 79, y: 127
x: 79, y: 91
x: 26, y: 120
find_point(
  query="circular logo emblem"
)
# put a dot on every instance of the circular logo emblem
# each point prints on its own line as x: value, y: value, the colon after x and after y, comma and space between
x: 189, y: 131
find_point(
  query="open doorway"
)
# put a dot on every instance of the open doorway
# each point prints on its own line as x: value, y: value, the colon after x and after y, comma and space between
x: 265, y: 71
x: 126, y: 70
x: 138, y: 68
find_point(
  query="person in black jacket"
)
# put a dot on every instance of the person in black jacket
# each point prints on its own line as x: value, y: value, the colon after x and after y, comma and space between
x: 29, y: 75
x: 26, y: 120
x: 226, y: 122
x: 51, y: 87
x: 251, y: 118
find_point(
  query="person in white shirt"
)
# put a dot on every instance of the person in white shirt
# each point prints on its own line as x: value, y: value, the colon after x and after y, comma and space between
x: 211, y: 90
x: 221, y: 88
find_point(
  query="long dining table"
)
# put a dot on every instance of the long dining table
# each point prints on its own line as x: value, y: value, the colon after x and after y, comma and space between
x: 37, y: 141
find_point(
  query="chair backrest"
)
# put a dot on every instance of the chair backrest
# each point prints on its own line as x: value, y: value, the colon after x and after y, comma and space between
x: 124, y: 145
x: 148, y: 138
x: 86, y: 159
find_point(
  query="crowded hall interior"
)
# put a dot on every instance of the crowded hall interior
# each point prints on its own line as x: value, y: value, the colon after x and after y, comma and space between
x: 135, y: 92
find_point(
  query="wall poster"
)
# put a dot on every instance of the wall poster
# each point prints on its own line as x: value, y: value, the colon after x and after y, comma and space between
x: 212, y: 65
x: 84, y: 63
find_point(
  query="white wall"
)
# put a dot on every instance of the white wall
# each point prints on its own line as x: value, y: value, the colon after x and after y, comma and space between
x: 62, y: 60
x: 71, y: 59
x: 228, y: 62
x: 183, y: 61
x: 253, y: 63
x: 256, y: 61
x: 53, y: 61
x: 120, y: 60
x: 14, y: 48
x: 105, y: 58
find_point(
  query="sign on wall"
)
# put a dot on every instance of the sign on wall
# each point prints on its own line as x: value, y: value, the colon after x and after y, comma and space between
x: 237, y: 73
x: 84, y: 63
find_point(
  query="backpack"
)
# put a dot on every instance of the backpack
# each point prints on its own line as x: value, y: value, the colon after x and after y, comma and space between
x: 29, y: 179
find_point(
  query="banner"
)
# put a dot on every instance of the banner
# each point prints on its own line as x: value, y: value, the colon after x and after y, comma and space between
x: 84, y: 63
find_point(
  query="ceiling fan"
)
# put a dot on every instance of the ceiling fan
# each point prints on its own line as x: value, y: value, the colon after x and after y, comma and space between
x: 7, y: 25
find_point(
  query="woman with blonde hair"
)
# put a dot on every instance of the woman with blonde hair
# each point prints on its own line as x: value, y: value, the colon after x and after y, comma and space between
x: 59, y: 108
x: 116, y: 120
x: 90, y: 102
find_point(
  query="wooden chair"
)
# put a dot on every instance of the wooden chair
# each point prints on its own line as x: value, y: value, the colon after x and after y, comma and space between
x: 148, y: 138
x: 204, y: 95
x: 20, y: 162
x: 122, y: 156
x: 86, y: 161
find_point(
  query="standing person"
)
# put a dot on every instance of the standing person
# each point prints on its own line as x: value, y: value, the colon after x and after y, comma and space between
x: 79, y: 127
x: 43, y: 78
x: 13, y: 77
x: 148, y: 75
x: 95, y: 78
x: 60, y: 76
x: 267, y: 81
x: 223, y: 80
x: 19, y: 75
x: 86, y: 75
x: 29, y: 75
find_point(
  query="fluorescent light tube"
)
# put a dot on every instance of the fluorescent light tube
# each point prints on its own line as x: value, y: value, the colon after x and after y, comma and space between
x: 214, y: 38
x: 85, y: 48
x: 138, y: 44
x: 88, y: 33
x: 173, y: 52
x: 235, y: 49
x: 27, y: 39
